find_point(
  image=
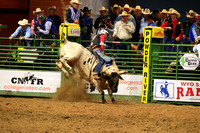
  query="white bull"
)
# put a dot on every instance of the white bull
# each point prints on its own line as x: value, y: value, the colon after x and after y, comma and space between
x: 74, y: 55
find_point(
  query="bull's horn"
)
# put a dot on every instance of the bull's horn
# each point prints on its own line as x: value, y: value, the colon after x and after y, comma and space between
x: 122, y: 72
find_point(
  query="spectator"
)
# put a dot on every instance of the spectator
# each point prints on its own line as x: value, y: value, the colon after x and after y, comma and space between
x: 196, y: 47
x: 25, y: 32
x: 49, y: 32
x: 56, y: 19
x: 143, y: 24
x: 195, y: 29
x: 101, y: 20
x: 174, y: 31
x: 128, y: 9
x: 157, y: 16
x: 35, y: 22
x: 138, y: 17
x: 116, y: 9
x: 86, y: 26
x: 163, y: 19
x: 123, y: 31
x: 150, y: 20
x: 73, y: 13
x: 187, y: 26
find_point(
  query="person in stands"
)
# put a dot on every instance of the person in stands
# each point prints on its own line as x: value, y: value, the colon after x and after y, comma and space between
x: 116, y: 9
x: 35, y: 22
x: 52, y: 15
x: 73, y: 13
x: 87, y: 24
x: 25, y: 32
x: 174, y: 31
x: 48, y: 30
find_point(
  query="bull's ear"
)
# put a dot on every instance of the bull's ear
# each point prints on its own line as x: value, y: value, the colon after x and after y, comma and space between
x: 122, y: 72
x: 120, y: 77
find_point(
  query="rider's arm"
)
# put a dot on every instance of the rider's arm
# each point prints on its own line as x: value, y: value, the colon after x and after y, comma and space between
x: 16, y: 32
x: 47, y: 28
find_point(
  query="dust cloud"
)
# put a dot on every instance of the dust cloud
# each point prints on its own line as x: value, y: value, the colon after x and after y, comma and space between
x: 72, y: 90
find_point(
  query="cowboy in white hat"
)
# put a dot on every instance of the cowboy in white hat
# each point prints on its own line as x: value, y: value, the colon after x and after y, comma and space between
x: 187, y: 26
x: 128, y: 9
x: 35, y: 22
x: 100, y: 20
x: 116, y: 9
x: 123, y: 31
x: 174, y: 31
x: 164, y: 14
x: 56, y: 19
x: 73, y: 13
x: 25, y: 32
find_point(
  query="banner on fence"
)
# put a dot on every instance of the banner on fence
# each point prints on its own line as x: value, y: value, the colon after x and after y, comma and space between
x: 131, y: 85
x: 176, y: 90
x: 30, y: 81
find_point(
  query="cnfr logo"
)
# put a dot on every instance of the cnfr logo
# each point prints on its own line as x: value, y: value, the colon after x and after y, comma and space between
x: 28, y: 79
x: 158, y: 34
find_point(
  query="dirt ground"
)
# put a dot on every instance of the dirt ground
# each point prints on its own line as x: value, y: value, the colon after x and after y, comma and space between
x: 50, y: 115
x: 71, y: 110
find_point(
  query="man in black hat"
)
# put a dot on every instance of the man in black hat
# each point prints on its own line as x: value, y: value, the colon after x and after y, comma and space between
x: 86, y: 26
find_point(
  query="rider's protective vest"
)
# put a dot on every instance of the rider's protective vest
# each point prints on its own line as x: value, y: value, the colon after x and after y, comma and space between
x: 53, y: 29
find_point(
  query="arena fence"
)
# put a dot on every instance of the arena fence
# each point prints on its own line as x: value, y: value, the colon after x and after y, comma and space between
x: 170, y: 76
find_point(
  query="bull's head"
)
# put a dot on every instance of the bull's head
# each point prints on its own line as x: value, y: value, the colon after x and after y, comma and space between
x: 113, y: 80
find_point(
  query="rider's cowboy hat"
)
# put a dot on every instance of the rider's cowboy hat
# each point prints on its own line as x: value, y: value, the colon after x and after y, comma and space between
x: 116, y: 6
x: 173, y: 11
x: 103, y: 9
x: 52, y: 7
x: 164, y: 11
x: 23, y: 22
x: 124, y: 13
x: 138, y: 8
x: 38, y: 10
x: 146, y: 11
x: 191, y: 14
x: 128, y: 7
x: 85, y: 9
x: 75, y: 1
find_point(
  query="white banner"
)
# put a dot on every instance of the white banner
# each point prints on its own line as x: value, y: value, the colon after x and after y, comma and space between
x: 131, y: 85
x: 176, y: 90
x: 30, y: 81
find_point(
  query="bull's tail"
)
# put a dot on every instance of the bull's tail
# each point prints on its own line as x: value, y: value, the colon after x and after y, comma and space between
x: 64, y: 19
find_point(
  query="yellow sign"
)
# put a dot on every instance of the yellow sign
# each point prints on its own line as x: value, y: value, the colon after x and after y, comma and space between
x: 70, y: 29
x: 145, y: 86
x: 157, y: 32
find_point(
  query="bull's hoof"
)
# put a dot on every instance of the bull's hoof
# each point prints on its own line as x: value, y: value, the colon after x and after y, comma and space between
x: 113, y: 100
x: 103, y: 101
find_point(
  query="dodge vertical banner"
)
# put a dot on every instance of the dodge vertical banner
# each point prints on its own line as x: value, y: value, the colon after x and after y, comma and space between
x: 145, y: 86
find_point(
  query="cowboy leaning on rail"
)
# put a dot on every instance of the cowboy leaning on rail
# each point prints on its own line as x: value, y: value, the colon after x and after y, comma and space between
x: 25, y: 32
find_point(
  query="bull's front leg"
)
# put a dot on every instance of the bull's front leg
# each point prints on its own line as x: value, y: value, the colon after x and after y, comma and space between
x: 60, y: 65
x: 111, y: 95
x: 66, y: 65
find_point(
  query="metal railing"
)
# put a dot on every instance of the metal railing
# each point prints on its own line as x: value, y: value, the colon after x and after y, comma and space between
x: 15, y: 55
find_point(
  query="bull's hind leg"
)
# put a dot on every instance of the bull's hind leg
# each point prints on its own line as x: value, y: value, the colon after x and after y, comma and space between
x: 111, y: 95
x: 66, y: 65
x: 60, y: 65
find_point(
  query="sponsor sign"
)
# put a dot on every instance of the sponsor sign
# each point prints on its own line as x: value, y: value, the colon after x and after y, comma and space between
x: 74, y: 32
x: 131, y: 85
x: 30, y: 81
x: 145, y: 86
x: 176, y: 90
x: 189, y: 61
x: 157, y: 32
